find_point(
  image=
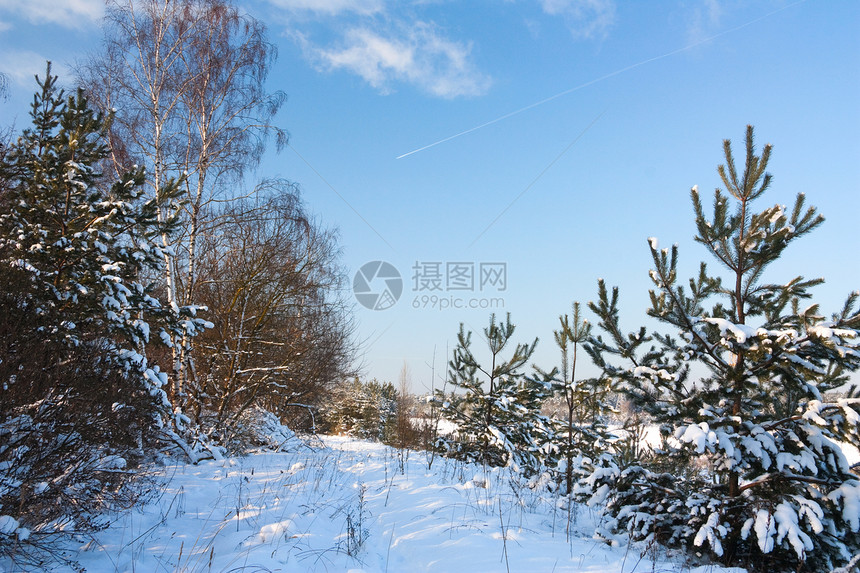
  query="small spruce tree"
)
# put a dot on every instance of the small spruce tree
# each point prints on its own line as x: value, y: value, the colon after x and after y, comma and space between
x: 751, y: 470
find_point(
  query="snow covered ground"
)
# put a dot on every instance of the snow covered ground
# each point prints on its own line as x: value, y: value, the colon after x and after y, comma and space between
x: 354, y: 506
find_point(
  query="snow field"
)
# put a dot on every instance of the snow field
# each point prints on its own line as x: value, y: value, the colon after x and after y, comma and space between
x: 358, y: 507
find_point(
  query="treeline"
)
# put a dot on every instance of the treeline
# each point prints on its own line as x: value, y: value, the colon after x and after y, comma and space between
x: 378, y: 411
x: 153, y: 294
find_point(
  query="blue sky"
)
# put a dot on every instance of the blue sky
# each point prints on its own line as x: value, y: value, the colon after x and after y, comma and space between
x: 594, y: 118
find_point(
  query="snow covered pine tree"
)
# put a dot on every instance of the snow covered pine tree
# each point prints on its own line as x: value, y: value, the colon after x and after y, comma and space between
x: 77, y: 245
x: 751, y: 471
x: 581, y: 432
x: 502, y: 424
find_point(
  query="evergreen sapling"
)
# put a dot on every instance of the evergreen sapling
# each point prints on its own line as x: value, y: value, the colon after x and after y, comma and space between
x: 582, y: 433
x: 501, y: 423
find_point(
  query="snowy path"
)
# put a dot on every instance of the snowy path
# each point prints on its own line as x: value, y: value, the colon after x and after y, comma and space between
x: 348, y: 507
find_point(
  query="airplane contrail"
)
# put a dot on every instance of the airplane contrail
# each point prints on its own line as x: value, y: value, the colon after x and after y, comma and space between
x: 600, y: 79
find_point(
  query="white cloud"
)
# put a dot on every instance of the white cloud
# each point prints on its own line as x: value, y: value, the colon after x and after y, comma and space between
x: 587, y: 19
x: 419, y: 56
x: 67, y: 13
x: 371, y: 56
x: 384, y: 43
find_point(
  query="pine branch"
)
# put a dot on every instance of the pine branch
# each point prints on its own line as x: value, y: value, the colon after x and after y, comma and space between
x: 791, y: 477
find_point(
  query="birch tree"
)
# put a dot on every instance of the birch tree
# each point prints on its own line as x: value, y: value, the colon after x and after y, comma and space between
x: 187, y: 82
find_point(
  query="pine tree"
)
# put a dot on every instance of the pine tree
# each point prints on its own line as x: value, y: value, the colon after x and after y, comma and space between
x: 582, y: 432
x: 86, y: 242
x: 501, y: 423
x: 751, y: 471
x: 80, y: 399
